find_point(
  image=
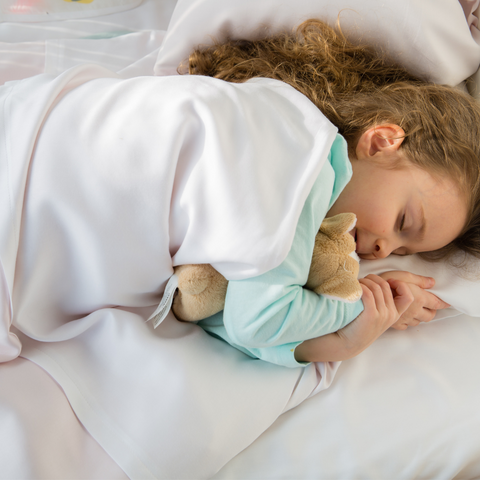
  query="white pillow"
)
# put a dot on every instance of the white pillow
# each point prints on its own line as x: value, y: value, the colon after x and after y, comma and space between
x: 431, y: 38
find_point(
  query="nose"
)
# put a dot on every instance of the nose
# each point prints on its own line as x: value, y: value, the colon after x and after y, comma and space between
x: 382, y: 248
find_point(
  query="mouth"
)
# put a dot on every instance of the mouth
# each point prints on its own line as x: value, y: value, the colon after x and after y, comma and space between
x: 358, y: 249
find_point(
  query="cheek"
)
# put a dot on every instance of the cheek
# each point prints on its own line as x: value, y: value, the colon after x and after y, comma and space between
x: 373, y: 218
x: 351, y: 202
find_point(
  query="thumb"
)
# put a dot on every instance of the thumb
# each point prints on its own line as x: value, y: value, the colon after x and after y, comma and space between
x: 440, y: 304
x: 403, y: 296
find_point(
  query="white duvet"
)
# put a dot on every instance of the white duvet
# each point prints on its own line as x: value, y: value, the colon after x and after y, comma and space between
x: 108, y: 183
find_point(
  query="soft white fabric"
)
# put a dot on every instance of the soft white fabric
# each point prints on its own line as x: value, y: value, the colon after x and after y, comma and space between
x: 48, y: 10
x: 10, y: 345
x: 148, y: 15
x: 125, y: 42
x: 113, y: 53
x: 381, y: 404
x: 431, y: 38
x: 161, y: 168
x: 98, y: 206
x: 416, y: 390
x: 43, y: 439
x: 130, y: 55
x: 406, y: 408
x: 19, y: 61
x: 172, y: 403
x: 470, y: 9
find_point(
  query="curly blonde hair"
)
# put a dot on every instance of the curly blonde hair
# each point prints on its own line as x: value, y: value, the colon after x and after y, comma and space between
x: 356, y: 89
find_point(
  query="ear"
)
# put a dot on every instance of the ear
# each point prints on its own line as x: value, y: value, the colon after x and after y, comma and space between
x: 385, y: 138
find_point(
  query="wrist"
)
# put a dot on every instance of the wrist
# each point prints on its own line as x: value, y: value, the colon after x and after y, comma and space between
x: 328, y: 348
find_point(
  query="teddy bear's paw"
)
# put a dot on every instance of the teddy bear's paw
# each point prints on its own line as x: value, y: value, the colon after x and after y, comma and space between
x: 194, y: 279
x: 201, y: 292
x: 343, y: 287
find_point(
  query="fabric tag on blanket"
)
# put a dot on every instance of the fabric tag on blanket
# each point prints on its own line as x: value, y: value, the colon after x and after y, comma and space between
x: 166, y: 303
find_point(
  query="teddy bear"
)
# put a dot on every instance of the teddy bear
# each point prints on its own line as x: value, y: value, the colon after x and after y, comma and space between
x: 333, y: 273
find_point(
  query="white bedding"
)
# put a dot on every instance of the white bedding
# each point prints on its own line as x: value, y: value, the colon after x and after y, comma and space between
x: 405, y: 408
x: 93, y: 221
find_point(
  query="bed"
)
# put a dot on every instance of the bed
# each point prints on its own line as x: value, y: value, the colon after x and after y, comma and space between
x: 176, y: 403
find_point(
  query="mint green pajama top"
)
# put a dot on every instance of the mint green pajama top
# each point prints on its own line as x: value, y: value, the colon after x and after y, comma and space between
x: 268, y: 316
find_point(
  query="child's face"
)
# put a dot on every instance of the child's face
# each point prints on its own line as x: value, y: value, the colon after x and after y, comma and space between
x: 400, y: 211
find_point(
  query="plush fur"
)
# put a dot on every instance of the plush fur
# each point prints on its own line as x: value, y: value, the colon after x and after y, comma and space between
x: 201, y: 292
x: 333, y: 273
x: 335, y: 265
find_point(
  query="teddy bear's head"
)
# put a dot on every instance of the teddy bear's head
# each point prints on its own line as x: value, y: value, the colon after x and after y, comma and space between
x: 335, y: 265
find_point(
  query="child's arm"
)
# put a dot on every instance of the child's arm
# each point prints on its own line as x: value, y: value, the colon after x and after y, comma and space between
x: 382, y: 310
x: 425, y: 304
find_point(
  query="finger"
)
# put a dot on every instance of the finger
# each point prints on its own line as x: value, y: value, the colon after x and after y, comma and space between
x: 382, y: 283
x: 422, y: 315
x: 377, y: 291
x: 434, y: 303
x: 404, y: 325
x: 408, y: 277
x: 404, y: 297
x: 387, y: 296
x: 423, y: 299
x: 399, y: 326
x: 367, y: 297
x: 427, y: 315
x: 421, y: 281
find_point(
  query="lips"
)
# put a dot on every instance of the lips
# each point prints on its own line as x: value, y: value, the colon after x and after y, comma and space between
x: 358, y: 249
x: 363, y: 256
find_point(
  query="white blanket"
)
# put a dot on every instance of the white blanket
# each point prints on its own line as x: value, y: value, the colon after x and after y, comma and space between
x: 146, y: 170
x: 108, y: 183
x: 406, y: 408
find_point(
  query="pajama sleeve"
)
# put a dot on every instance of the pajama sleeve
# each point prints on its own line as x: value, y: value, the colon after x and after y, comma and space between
x: 268, y: 316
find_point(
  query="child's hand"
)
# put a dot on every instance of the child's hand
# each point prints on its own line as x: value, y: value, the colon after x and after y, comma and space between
x: 381, y: 310
x: 425, y: 304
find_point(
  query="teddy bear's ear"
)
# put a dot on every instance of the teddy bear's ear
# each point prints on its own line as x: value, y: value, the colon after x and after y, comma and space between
x: 339, y: 224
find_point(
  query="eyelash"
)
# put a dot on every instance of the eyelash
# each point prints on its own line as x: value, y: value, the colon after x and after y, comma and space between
x: 402, y: 222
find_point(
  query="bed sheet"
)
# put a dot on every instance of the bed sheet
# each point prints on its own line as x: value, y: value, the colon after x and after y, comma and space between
x: 406, y: 408
x: 43, y: 439
x: 127, y: 40
x: 415, y: 417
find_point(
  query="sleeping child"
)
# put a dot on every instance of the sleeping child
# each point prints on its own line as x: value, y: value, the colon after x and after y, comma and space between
x: 409, y: 170
x: 107, y: 184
